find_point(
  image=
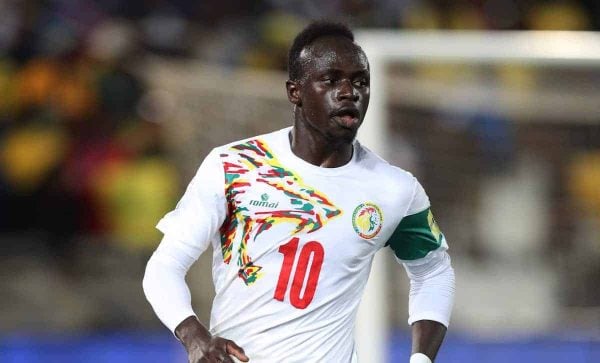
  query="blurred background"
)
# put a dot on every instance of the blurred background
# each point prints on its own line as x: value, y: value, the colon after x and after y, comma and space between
x: 108, y: 107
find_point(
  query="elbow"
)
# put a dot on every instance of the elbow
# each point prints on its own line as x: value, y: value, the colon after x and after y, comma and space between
x: 147, y: 280
x: 440, y: 276
x: 440, y: 265
x: 160, y: 270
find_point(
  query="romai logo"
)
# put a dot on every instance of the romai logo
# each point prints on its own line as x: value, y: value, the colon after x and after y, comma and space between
x: 264, y: 202
x: 367, y: 220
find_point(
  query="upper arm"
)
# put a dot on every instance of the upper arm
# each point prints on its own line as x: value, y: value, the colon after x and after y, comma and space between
x: 199, y: 214
x: 417, y: 234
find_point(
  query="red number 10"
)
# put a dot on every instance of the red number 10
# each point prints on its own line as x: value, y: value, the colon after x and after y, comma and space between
x: 289, y: 250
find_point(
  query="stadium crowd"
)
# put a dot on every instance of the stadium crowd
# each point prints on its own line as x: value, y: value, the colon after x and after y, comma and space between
x: 84, y: 170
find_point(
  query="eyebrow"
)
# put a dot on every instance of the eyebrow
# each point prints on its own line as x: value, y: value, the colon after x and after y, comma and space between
x: 360, y: 72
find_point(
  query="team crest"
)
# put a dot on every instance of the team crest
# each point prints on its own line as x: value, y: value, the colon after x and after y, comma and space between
x: 367, y: 220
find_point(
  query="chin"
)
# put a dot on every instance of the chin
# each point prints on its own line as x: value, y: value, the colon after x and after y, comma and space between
x: 343, y: 135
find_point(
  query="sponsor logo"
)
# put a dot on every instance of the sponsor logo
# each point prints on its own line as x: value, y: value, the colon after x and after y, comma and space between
x: 367, y: 220
x: 264, y: 202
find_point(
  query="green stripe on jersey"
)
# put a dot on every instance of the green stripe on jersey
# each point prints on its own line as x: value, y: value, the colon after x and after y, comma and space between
x: 415, y: 236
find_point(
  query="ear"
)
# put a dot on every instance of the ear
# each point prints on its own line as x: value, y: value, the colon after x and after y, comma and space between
x: 293, y: 92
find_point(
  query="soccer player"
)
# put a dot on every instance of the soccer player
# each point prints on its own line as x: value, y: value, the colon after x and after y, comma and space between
x: 294, y: 218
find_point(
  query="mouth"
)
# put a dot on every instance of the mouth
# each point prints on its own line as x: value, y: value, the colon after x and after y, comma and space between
x: 347, y: 117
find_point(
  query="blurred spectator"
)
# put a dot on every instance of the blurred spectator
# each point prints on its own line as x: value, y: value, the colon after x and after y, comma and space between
x: 558, y: 15
x: 83, y: 164
x: 584, y: 181
x: 133, y: 193
x: 70, y: 99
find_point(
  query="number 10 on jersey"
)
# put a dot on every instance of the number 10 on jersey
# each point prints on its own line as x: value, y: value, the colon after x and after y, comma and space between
x: 311, y: 253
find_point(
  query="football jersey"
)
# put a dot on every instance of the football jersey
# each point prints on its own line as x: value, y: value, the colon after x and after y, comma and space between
x: 293, y: 242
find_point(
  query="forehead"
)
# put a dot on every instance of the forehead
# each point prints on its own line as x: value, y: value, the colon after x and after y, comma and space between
x: 333, y: 53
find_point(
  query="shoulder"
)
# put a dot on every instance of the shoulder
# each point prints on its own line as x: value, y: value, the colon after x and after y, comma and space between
x: 394, y: 187
x: 374, y: 163
x: 250, y: 143
x: 241, y: 156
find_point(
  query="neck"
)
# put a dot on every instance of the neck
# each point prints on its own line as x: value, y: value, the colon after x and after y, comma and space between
x: 316, y: 148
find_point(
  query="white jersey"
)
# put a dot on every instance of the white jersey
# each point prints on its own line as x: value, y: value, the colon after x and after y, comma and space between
x: 293, y: 242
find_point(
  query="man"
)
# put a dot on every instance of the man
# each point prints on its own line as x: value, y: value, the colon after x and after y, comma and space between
x: 295, y: 218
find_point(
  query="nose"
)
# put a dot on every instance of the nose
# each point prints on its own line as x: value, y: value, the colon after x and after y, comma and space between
x: 346, y: 91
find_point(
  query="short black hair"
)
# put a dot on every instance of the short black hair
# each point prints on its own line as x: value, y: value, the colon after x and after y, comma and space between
x: 313, y: 31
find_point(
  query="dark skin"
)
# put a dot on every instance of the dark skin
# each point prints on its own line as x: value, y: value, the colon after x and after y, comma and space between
x: 427, y: 337
x: 330, y: 102
x: 330, y: 99
x: 336, y: 77
x: 203, y: 347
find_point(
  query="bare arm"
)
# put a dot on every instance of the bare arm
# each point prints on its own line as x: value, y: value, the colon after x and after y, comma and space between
x: 427, y: 337
x: 430, y: 303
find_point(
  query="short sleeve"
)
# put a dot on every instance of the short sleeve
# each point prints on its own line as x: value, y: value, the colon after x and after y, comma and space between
x: 417, y: 234
x: 199, y: 214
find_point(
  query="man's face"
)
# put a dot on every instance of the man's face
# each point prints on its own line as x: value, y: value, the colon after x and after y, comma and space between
x: 334, y: 89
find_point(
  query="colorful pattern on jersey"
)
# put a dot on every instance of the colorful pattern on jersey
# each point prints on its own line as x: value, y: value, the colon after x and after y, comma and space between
x: 252, y: 162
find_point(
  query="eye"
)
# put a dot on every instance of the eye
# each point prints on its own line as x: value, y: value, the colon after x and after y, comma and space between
x: 361, y: 82
x: 328, y: 80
